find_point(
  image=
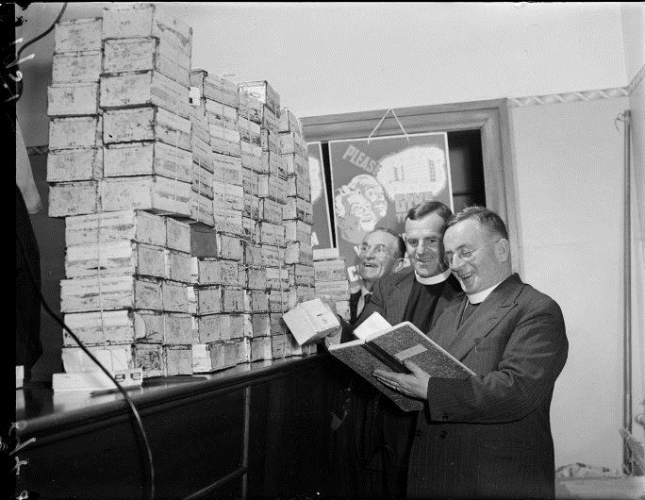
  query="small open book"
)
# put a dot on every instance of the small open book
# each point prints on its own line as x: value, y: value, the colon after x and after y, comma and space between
x: 388, y: 348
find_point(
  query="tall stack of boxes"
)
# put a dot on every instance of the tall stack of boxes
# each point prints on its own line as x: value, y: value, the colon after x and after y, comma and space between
x: 218, y: 251
x: 119, y: 169
x: 297, y: 215
x: 186, y: 200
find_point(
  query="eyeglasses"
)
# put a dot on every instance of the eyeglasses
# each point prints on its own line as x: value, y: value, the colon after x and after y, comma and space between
x: 379, y: 250
x: 464, y: 254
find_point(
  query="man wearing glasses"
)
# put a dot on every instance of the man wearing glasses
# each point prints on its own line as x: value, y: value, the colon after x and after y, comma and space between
x: 380, y: 254
x: 488, y: 436
x: 417, y: 294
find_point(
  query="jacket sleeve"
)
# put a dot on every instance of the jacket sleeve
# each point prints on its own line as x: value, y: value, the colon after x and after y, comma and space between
x: 517, y: 366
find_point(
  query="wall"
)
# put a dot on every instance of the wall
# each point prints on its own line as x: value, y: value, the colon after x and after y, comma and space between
x: 334, y: 58
x: 366, y: 56
x: 569, y: 181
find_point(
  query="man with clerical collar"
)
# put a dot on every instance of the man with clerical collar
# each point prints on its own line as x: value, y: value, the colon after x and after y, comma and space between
x: 487, y: 436
x: 418, y: 293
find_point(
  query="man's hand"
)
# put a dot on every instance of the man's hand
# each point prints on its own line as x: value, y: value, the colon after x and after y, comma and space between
x: 326, y: 299
x: 414, y: 385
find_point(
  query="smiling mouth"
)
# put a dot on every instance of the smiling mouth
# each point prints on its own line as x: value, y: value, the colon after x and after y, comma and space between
x: 369, y: 265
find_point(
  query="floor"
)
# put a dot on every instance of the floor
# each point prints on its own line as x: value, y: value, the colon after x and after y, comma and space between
x: 604, y: 488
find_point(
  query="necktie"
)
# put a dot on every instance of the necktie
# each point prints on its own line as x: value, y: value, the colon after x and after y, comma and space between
x: 368, y: 297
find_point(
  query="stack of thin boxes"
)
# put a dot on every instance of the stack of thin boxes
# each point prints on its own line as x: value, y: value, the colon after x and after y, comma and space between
x: 120, y: 170
x: 264, y: 198
x: 298, y: 214
x: 218, y: 251
x: 331, y: 279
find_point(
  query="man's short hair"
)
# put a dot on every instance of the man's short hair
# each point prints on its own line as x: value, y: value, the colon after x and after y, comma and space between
x: 487, y: 218
x: 400, y: 244
x: 430, y: 207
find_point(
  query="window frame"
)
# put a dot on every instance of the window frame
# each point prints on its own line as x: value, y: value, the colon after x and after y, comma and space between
x: 490, y: 117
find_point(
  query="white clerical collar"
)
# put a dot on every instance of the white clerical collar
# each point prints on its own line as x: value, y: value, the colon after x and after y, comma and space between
x: 478, y: 298
x: 433, y: 280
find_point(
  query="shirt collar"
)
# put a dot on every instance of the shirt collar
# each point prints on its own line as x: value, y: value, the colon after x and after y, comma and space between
x: 479, y: 297
x: 433, y: 280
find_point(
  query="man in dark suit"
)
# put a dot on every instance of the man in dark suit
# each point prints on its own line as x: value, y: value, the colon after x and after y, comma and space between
x: 488, y: 436
x: 380, y: 254
x: 417, y: 294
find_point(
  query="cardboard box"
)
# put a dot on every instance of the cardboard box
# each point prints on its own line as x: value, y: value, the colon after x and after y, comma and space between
x: 136, y: 225
x: 116, y: 258
x: 146, y: 54
x: 263, y: 92
x: 74, y: 165
x: 73, y: 99
x: 148, y: 123
x: 78, y: 35
x: 147, y: 158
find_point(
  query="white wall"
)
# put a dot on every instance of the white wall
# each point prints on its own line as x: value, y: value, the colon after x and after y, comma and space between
x: 336, y: 58
x: 325, y: 58
x: 569, y: 172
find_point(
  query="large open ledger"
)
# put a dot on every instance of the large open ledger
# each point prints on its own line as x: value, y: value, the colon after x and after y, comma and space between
x: 388, y: 348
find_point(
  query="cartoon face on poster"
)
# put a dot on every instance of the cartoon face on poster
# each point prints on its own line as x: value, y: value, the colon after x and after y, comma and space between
x: 321, y: 231
x: 377, y: 181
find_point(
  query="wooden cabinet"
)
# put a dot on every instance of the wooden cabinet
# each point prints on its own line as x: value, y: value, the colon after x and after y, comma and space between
x: 254, y: 431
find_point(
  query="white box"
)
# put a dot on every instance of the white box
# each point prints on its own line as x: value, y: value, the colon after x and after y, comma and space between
x: 311, y: 321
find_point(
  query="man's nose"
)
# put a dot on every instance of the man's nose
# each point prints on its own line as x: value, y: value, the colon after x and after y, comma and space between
x: 455, y: 262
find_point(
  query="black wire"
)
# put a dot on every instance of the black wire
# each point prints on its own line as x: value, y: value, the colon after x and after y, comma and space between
x: 44, y: 33
x: 20, y: 86
x: 93, y: 358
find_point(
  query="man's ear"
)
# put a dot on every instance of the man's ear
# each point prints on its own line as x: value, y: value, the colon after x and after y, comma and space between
x: 503, y: 250
x: 399, y: 265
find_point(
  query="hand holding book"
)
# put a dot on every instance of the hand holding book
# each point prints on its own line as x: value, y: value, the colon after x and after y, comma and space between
x: 399, y: 356
x: 414, y: 385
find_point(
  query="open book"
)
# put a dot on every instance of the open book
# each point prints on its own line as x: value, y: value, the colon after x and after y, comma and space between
x: 387, y: 349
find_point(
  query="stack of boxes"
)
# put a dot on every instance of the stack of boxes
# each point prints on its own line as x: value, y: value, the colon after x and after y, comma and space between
x: 218, y: 252
x: 297, y: 215
x: 186, y: 200
x: 331, y: 279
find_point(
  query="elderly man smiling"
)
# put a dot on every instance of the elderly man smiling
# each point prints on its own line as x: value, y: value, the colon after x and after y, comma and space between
x: 380, y: 254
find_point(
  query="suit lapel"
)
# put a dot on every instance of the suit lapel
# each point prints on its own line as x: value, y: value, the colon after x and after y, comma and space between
x: 444, y: 330
x: 488, y: 315
x: 400, y: 294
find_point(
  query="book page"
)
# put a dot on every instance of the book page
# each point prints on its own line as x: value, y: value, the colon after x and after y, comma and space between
x: 374, y: 324
x: 405, y: 341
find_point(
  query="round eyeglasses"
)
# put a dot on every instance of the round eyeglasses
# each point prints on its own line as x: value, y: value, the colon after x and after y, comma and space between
x: 379, y: 250
x: 464, y: 254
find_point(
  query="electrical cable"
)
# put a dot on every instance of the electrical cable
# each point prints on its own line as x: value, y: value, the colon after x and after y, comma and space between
x: 93, y: 358
x: 16, y: 61
x: 44, y: 33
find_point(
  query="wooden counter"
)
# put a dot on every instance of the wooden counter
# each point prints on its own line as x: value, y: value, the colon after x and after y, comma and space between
x: 257, y: 430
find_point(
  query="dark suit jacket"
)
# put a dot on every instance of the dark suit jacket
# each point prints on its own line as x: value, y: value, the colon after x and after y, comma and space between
x: 381, y: 432
x: 390, y: 297
x: 489, y: 436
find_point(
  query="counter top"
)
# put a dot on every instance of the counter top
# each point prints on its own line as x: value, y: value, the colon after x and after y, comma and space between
x: 39, y: 408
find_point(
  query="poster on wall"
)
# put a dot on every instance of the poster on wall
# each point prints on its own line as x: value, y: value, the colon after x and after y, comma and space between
x: 376, y: 181
x: 321, y: 231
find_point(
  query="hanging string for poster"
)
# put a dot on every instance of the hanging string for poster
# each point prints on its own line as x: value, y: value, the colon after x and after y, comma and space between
x: 369, y: 137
